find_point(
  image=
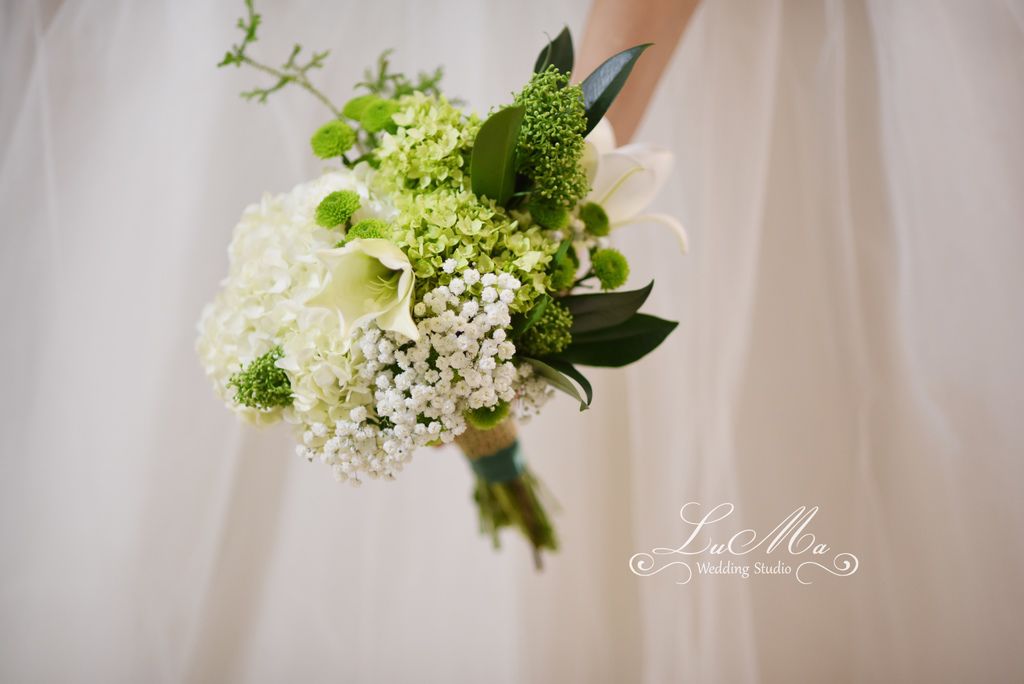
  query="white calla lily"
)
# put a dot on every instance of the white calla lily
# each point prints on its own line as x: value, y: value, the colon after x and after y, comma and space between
x: 625, y: 180
x: 369, y: 280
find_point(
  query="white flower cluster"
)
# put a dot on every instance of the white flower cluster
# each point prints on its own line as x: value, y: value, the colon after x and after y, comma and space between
x: 361, y: 403
x: 462, y: 361
x: 273, y: 271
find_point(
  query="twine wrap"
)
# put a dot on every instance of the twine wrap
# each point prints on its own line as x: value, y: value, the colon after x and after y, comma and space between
x: 494, y: 454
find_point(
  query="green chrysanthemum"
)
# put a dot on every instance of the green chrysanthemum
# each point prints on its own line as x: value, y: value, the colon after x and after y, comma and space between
x: 595, y: 219
x: 337, y: 208
x: 369, y: 229
x: 376, y: 116
x: 551, y: 138
x: 486, y: 418
x: 355, y: 107
x: 550, y: 334
x: 333, y: 139
x: 262, y: 385
x: 551, y: 216
x: 564, y: 275
x: 610, y: 267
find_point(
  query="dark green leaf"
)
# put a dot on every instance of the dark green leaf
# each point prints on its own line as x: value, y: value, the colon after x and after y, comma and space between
x: 567, y: 368
x: 601, y: 87
x: 558, y: 52
x: 597, y: 311
x: 558, y: 380
x: 563, y: 251
x: 531, y: 317
x: 618, y: 345
x: 492, y: 167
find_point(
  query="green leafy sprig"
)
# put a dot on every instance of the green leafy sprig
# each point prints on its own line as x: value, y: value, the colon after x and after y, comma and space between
x: 391, y: 84
x: 293, y: 71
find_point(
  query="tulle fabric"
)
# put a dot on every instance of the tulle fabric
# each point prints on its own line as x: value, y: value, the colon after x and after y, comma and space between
x: 849, y: 174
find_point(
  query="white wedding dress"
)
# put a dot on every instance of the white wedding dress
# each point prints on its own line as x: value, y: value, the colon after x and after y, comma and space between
x: 851, y: 177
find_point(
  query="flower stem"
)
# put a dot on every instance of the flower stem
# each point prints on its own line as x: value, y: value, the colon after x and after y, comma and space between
x: 298, y: 78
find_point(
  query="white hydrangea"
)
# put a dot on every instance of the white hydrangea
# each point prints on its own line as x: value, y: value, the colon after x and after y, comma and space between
x: 273, y: 271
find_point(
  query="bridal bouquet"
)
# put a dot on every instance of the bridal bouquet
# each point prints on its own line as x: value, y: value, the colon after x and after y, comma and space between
x: 441, y: 277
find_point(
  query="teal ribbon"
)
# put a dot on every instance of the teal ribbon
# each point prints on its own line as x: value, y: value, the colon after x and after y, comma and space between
x: 503, y: 465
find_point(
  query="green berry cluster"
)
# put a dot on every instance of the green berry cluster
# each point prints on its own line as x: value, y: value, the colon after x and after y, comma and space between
x: 550, y: 334
x: 551, y: 138
x: 610, y: 267
x: 337, y: 208
x: 262, y: 385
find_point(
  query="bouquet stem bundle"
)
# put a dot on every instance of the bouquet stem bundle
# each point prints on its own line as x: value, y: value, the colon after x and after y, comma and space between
x: 507, y: 494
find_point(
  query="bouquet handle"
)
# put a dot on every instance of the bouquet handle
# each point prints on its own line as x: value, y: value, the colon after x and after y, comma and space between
x: 507, y: 494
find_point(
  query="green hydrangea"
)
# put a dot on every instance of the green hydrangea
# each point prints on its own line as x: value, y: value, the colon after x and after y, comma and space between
x: 610, y: 267
x: 595, y: 219
x: 551, y: 138
x: 486, y: 418
x: 333, y: 139
x: 423, y: 168
x: 455, y: 224
x: 262, y: 385
x: 337, y: 208
x: 377, y: 115
x: 431, y: 148
x: 552, y: 216
x: 550, y: 334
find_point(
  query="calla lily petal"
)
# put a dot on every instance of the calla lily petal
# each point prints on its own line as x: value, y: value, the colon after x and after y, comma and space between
x: 665, y: 219
x: 659, y: 160
x: 602, y: 137
x: 599, y: 141
x: 590, y: 160
x: 369, y: 279
x: 629, y: 179
x: 399, y: 317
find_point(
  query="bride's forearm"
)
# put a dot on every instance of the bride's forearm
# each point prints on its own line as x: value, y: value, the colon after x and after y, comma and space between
x: 615, y: 25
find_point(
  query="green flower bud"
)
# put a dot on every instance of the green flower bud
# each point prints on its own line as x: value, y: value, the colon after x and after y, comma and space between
x: 355, y: 107
x: 550, y: 334
x: 551, y: 216
x: 333, y: 139
x: 262, y: 385
x: 486, y: 418
x: 337, y: 208
x: 376, y: 116
x: 610, y: 267
x: 595, y: 219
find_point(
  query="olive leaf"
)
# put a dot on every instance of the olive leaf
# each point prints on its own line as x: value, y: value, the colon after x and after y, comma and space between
x: 492, y: 167
x: 617, y: 345
x: 601, y: 87
x: 560, y: 381
x: 558, y: 52
x: 596, y: 311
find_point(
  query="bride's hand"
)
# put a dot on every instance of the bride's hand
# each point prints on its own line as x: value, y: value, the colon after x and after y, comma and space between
x: 615, y: 25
